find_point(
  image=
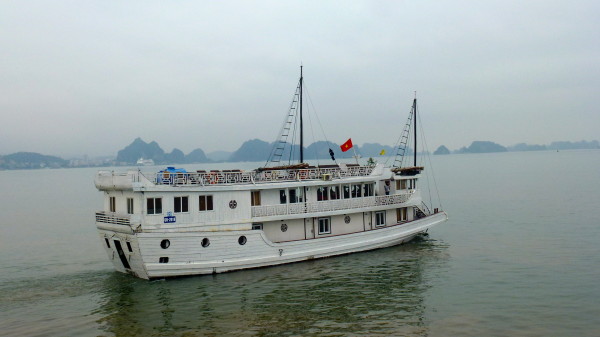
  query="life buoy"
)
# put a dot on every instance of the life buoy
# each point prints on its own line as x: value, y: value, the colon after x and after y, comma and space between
x: 212, y: 178
x: 303, y: 174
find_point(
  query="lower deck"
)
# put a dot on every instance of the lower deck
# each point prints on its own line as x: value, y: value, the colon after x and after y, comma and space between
x: 166, y: 254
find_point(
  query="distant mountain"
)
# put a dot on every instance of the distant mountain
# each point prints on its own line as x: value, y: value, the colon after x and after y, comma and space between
x: 30, y: 160
x: 563, y: 145
x: 251, y: 150
x: 480, y: 146
x: 374, y: 150
x: 442, y: 150
x: 140, y: 149
x: 219, y: 155
x: 526, y: 147
x: 196, y: 156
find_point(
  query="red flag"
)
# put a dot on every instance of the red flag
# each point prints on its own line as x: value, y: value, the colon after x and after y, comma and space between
x: 347, y: 145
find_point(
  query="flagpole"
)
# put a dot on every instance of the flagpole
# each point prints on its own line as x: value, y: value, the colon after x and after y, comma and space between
x: 355, y: 155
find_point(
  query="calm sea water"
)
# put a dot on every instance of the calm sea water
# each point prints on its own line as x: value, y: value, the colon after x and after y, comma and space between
x: 520, y: 256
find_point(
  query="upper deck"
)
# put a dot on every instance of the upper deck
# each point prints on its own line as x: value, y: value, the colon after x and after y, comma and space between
x: 111, y: 180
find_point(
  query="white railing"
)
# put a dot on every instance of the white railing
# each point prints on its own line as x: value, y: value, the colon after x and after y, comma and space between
x: 265, y: 176
x: 329, y: 206
x: 112, y: 218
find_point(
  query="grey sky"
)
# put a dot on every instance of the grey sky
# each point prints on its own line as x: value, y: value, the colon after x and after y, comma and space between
x: 87, y: 77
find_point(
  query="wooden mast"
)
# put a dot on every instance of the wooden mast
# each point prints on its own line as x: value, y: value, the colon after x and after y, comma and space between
x: 415, y: 124
x: 301, y: 128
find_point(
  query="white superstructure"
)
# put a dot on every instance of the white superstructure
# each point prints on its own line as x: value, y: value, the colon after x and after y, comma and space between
x: 165, y: 224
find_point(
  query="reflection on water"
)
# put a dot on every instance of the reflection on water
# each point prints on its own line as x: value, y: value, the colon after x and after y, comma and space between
x: 379, y: 292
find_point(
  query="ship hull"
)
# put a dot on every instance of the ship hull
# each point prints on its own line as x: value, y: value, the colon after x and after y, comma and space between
x: 187, y: 253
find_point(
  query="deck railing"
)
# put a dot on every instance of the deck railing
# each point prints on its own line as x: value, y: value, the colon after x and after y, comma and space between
x: 328, y: 206
x: 265, y: 176
x: 112, y: 218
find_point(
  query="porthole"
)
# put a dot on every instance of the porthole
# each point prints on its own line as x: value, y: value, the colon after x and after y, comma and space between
x: 283, y: 227
x: 242, y: 240
x: 232, y: 204
x: 164, y: 244
x: 347, y: 219
x: 205, y: 242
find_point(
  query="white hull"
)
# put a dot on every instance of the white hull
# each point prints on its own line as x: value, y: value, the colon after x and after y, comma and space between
x: 188, y: 257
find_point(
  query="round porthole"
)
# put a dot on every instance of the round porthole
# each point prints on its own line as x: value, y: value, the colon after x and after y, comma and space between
x: 232, y: 204
x: 347, y: 219
x: 164, y: 244
x: 283, y: 227
x: 205, y: 242
x: 242, y: 240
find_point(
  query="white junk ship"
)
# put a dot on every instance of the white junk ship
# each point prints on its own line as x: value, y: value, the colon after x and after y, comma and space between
x: 176, y: 223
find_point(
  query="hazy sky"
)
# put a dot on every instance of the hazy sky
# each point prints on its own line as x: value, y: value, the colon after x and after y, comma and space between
x: 87, y: 77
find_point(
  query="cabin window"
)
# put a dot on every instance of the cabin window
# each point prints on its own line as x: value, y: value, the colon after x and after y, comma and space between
x: 324, y: 225
x: 356, y: 192
x: 346, y: 189
x: 129, y: 205
x: 335, y: 192
x: 257, y: 226
x: 368, y: 189
x: 112, y: 205
x: 282, y: 197
x: 163, y: 260
x: 255, y: 198
x: 401, y: 214
x: 296, y: 195
x: 181, y: 204
x: 413, y: 183
x: 322, y: 193
x: 380, y: 218
x: 206, y: 203
x: 402, y: 184
x: 154, y: 205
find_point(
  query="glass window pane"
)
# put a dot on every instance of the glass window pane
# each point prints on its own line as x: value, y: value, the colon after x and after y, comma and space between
x: 209, y: 202
x: 158, y: 205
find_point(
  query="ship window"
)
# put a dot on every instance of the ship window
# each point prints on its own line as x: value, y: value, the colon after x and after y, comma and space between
x: 257, y: 226
x: 380, y: 218
x: 181, y: 204
x: 129, y: 247
x: 205, y: 242
x: 324, y: 226
x: 163, y: 260
x: 242, y: 240
x: 293, y: 196
x: 154, y: 205
x: 112, y: 204
x: 402, y: 184
x: 356, y: 191
x: 368, y: 190
x: 129, y: 205
x: 335, y: 192
x: 346, y: 191
x: 164, y: 244
x: 206, y: 203
x: 255, y: 198
x: 401, y: 214
x: 322, y: 193
x: 282, y: 197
